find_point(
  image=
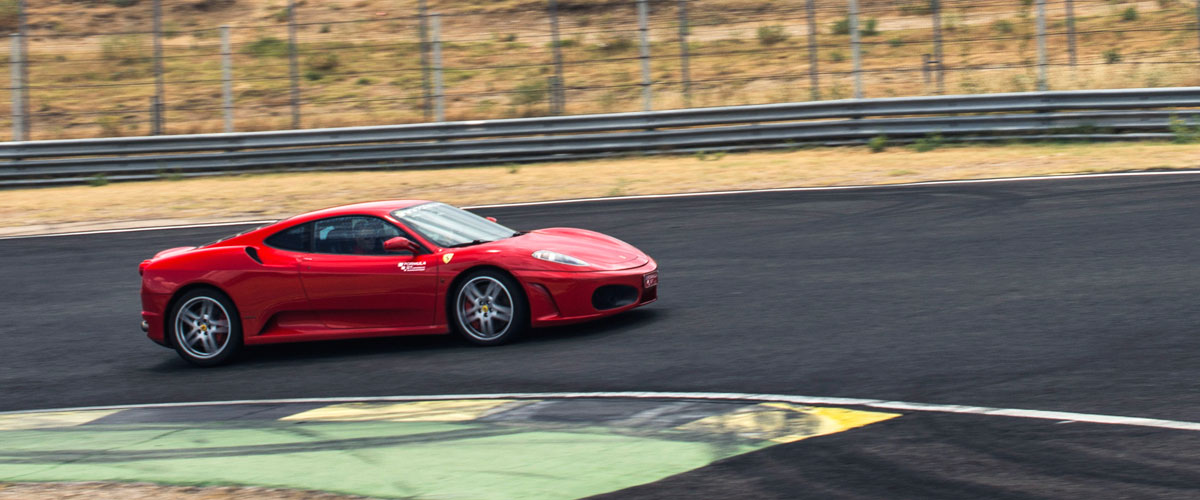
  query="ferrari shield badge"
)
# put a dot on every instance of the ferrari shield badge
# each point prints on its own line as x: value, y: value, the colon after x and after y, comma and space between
x: 446, y: 258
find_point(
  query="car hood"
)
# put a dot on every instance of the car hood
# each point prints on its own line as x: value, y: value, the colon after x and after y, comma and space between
x: 601, y: 251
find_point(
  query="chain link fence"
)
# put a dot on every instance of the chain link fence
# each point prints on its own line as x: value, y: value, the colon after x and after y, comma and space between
x: 309, y: 65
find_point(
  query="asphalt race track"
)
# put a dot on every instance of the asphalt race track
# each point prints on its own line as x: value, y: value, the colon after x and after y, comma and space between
x: 1075, y: 295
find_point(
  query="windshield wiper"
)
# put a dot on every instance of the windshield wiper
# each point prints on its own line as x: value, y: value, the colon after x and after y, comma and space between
x: 467, y: 244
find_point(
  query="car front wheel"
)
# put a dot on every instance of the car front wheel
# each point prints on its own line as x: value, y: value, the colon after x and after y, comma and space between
x: 489, y: 308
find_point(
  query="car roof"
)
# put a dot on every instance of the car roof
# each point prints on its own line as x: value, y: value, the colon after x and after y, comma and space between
x: 380, y: 208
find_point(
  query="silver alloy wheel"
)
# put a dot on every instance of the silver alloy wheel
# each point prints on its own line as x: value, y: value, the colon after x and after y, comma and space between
x: 202, y: 327
x: 485, y: 308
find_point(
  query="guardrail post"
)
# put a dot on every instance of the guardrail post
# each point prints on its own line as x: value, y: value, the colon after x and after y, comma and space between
x: 157, y: 126
x: 227, y: 78
x: 439, y: 98
x: 936, y: 11
x: 556, y: 50
x: 645, y: 35
x: 685, y: 74
x: 1071, y: 31
x: 293, y: 65
x: 856, y: 50
x: 18, y: 108
x: 814, y: 80
x: 1042, y: 84
x: 426, y: 81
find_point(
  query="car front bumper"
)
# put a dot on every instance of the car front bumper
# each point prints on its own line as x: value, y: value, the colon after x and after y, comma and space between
x: 560, y: 298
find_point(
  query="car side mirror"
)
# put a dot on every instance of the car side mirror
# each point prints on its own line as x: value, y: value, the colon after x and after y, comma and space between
x: 401, y: 244
x: 493, y: 219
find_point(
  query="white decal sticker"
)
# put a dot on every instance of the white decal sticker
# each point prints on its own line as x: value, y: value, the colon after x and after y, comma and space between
x: 411, y: 266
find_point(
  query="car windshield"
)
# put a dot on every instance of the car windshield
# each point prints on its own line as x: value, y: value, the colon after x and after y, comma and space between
x: 448, y: 226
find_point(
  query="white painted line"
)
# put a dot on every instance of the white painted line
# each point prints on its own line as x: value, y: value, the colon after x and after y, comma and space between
x: 710, y: 396
x: 667, y: 196
x: 140, y: 229
x: 838, y: 188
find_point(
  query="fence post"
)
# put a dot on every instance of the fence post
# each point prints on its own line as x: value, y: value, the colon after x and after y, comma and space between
x: 227, y: 78
x: 426, y: 82
x: 645, y: 56
x: 18, y: 109
x: 1042, y: 84
x: 155, y: 113
x: 856, y: 50
x: 936, y: 10
x: 684, y: 72
x: 293, y: 66
x: 814, y: 80
x: 438, y: 96
x: 556, y: 50
x: 1071, y: 31
x: 157, y: 126
x: 23, y: 29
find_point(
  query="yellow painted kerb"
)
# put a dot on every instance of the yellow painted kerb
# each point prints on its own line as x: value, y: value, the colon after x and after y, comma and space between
x: 49, y: 420
x: 419, y: 411
x: 785, y: 423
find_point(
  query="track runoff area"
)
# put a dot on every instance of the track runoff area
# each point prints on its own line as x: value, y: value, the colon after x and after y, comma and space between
x: 514, y: 445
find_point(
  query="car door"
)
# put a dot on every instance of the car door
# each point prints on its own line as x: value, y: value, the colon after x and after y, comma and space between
x: 285, y: 302
x: 352, y: 283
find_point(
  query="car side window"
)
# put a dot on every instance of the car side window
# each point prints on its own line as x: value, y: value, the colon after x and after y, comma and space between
x: 353, y: 235
x: 296, y: 239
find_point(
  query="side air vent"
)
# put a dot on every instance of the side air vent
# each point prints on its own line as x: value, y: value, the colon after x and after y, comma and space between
x: 253, y: 253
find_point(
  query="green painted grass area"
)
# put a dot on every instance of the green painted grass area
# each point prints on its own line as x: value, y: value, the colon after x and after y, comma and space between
x: 426, y: 460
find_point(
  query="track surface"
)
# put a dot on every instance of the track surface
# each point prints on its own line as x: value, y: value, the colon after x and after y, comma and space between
x: 1071, y: 295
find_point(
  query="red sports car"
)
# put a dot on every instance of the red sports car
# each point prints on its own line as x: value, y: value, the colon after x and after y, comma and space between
x: 385, y: 268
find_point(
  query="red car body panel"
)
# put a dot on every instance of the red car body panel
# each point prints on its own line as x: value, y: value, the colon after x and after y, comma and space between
x: 287, y: 296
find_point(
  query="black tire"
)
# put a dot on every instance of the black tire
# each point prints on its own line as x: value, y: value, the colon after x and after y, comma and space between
x: 485, y: 300
x: 204, y: 327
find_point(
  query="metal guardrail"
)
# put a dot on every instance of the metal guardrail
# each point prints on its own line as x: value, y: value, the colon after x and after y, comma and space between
x: 1098, y: 114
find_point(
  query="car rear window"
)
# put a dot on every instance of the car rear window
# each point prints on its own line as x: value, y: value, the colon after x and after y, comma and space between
x: 296, y: 239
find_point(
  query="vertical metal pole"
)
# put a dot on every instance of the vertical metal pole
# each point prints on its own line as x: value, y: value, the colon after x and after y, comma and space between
x: 685, y: 73
x: 23, y: 29
x: 1071, y: 31
x: 814, y: 80
x: 556, y: 49
x: 155, y: 109
x: 293, y: 65
x: 227, y: 78
x: 645, y: 34
x: 1042, y: 84
x: 426, y: 82
x: 18, y: 109
x: 855, y: 49
x: 157, y: 126
x: 439, y: 96
x: 936, y: 10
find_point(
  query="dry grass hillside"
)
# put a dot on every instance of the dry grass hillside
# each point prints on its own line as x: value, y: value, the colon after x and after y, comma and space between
x: 359, y: 63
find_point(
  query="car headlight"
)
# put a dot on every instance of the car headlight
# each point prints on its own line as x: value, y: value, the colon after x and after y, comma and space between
x: 550, y: 256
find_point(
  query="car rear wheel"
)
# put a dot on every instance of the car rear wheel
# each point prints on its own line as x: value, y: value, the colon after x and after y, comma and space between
x: 489, y: 308
x: 205, y: 328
